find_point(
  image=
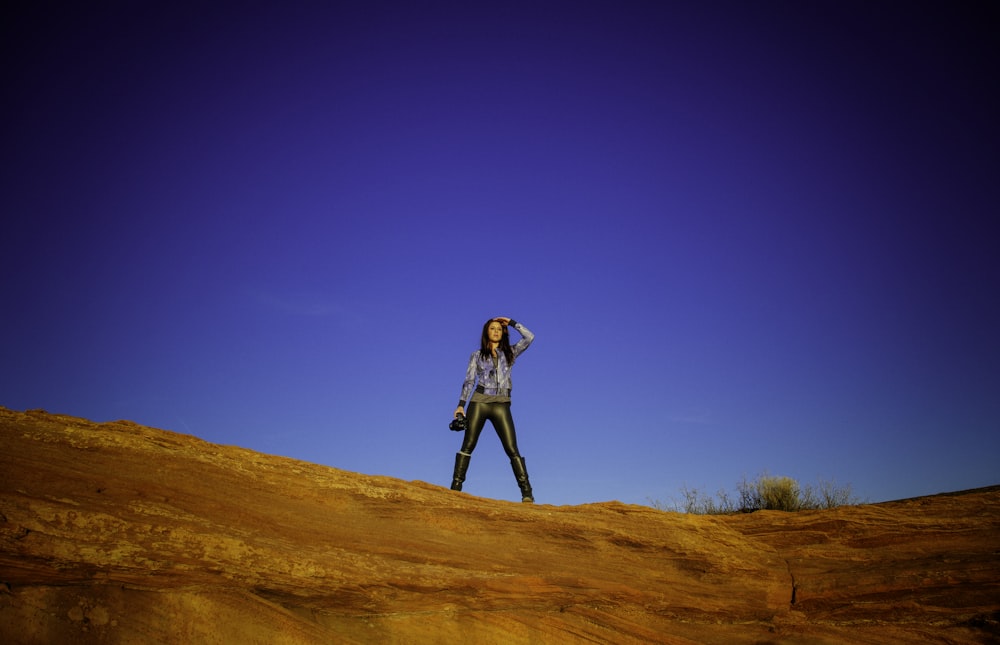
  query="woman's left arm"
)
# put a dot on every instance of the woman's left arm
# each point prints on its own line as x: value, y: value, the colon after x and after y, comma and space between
x: 526, y: 337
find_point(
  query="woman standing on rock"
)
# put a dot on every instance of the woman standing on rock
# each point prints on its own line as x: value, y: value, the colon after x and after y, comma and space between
x: 490, y: 367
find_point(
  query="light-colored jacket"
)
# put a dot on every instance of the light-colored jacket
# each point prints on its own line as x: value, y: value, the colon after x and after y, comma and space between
x: 493, y: 379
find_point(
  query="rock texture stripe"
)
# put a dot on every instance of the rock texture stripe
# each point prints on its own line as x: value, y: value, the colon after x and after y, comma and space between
x: 119, y: 533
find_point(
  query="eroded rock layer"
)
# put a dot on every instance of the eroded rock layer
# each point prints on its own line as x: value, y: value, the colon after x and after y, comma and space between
x: 119, y: 533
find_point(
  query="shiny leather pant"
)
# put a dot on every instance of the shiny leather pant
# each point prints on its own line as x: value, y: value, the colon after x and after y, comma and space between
x: 499, y: 415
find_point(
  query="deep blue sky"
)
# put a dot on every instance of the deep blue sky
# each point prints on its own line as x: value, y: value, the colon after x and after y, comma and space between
x: 750, y: 237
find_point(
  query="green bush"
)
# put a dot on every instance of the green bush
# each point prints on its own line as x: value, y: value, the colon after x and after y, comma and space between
x: 764, y: 493
x: 778, y: 494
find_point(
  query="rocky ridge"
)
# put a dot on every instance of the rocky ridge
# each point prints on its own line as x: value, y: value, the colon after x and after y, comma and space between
x: 119, y: 533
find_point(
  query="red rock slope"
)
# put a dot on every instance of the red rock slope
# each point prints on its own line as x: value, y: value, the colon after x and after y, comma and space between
x: 118, y: 533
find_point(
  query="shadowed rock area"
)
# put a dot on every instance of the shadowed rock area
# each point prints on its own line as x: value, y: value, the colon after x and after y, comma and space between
x: 119, y: 533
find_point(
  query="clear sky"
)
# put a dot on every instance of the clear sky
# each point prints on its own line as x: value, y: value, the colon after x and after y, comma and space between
x: 749, y: 237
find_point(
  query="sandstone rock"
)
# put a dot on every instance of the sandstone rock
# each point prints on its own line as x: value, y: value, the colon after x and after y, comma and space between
x: 118, y: 533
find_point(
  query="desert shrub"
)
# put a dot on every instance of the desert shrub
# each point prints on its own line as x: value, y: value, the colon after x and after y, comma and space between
x: 697, y: 503
x: 829, y: 495
x: 764, y: 493
x: 778, y: 494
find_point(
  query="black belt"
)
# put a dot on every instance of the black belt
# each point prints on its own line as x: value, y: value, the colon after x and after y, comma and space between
x: 482, y: 390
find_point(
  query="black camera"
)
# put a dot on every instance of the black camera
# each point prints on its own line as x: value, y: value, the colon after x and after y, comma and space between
x: 458, y: 423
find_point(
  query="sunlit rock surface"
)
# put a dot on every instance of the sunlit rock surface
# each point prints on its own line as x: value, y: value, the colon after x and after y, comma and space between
x: 119, y: 533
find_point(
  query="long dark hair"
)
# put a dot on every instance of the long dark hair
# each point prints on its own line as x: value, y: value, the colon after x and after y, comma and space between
x: 484, y: 343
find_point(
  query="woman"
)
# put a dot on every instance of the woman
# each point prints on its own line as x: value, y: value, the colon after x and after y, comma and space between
x: 490, y: 366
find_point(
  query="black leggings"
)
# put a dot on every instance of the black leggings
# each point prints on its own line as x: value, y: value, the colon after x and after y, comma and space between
x: 503, y: 423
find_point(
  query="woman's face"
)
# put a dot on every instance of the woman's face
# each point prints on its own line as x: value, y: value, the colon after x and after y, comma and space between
x: 495, y: 332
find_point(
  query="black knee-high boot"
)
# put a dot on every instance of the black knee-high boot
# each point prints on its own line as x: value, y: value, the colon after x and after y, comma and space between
x: 461, y: 465
x: 521, y: 474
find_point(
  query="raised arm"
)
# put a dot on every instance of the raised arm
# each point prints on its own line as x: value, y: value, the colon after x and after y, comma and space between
x: 526, y: 337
